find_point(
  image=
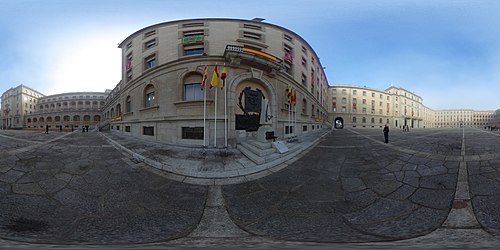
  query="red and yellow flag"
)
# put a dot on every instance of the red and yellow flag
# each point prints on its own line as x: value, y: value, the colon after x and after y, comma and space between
x: 204, y: 78
x: 294, y: 97
x: 223, y: 76
x: 289, y: 94
x: 215, y: 78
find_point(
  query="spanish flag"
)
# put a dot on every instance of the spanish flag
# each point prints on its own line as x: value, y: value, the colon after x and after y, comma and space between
x: 289, y: 94
x: 294, y: 97
x: 204, y: 78
x: 223, y: 76
x: 215, y: 78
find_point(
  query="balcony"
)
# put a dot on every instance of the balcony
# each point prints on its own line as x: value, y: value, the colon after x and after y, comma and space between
x: 252, y: 57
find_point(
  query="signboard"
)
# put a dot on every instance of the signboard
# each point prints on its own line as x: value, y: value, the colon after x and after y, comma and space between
x: 192, y: 39
x: 280, y: 146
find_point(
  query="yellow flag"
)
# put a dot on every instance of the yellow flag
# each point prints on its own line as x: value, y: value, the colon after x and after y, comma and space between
x: 215, y: 78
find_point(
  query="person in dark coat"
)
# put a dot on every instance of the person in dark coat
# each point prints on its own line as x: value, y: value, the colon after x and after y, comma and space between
x: 46, y: 129
x: 386, y: 133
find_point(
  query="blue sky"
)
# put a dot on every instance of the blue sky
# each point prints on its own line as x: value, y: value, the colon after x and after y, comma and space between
x: 446, y: 51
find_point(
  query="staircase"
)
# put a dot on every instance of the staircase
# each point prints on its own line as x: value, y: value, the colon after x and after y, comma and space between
x: 104, y: 125
x: 264, y: 152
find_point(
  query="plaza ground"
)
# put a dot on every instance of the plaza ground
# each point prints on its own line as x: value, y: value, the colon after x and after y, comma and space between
x: 427, y: 187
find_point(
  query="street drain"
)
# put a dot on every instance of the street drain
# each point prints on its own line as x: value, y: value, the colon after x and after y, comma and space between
x: 26, y: 225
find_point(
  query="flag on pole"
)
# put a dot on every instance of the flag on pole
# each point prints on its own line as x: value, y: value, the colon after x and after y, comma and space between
x: 204, y: 78
x: 294, y: 97
x: 289, y: 95
x: 223, y: 76
x: 215, y: 78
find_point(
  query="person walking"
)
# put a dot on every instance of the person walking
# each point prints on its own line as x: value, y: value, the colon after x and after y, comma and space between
x: 386, y: 133
x: 46, y: 129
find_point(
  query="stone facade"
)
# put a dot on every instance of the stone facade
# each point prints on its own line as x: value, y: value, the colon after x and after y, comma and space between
x: 160, y: 96
x: 17, y: 104
x: 69, y: 110
x: 356, y: 106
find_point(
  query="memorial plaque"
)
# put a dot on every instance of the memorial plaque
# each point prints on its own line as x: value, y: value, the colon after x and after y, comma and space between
x: 280, y: 146
x: 252, y: 101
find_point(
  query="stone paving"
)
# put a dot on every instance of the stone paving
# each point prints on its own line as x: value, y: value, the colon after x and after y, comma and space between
x: 80, y: 189
x: 350, y: 190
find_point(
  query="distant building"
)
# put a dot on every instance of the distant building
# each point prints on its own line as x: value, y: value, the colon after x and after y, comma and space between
x: 17, y: 104
x: 356, y: 106
x: 24, y: 107
x: 68, y: 110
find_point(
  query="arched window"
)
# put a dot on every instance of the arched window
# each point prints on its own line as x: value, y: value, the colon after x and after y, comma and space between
x: 66, y: 118
x: 192, y: 87
x: 86, y: 118
x: 42, y: 119
x: 149, y: 96
x: 118, y: 109
x: 363, y: 120
x: 76, y: 118
x: 354, y: 119
x: 35, y: 120
x: 128, y: 104
x: 57, y: 119
x: 29, y: 120
x: 373, y: 120
x: 97, y: 118
x: 380, y: 120
x: 49, y: 119
x: 112, y: 112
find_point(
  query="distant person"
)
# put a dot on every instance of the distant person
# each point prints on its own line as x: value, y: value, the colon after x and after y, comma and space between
x: 46, y: 129
x: 60, y: 128
x: 386, y: 133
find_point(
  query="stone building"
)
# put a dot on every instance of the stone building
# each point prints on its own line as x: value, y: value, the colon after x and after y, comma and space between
x: 17, y: 104
x: 160, y: 95
x: 69, y: 110
x: 356, y: 106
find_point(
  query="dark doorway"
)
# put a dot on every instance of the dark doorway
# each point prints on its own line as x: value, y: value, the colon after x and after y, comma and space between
x: 339, y: 123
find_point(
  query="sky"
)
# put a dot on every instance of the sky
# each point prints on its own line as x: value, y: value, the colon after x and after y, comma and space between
x: 445, y: 51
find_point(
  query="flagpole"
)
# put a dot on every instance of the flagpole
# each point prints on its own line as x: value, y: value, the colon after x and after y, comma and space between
x: 204, y: 106
x: 204, y: 115
x: 225, y: 112
x: 215, y: 114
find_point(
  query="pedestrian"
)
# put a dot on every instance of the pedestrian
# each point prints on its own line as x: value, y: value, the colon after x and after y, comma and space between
x: 60, y: 128
x: 83, y: 129
x: 46, y: 129
x: 386, y: 133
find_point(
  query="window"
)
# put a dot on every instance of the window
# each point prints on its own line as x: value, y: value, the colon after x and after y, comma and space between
x: 150, y: 44
x: 364, y: 101
x: 150, y: 33
x: 188, y: 25
x: 354, y: 92
x: 148, y: 131
x: 150, y: 62
x: 304, y: 79
x: 287, y: 37
x: 252, y: 26
x: 373, y: 120
x: 252, y: 35
x: 344, y: 92
x: 128, y: 105
x: 196, y: 49
x: 127, y: 128
x: 363, y: 120
x: 149, y: 96
x: 304, y: 62
x: 192, y: 133
x: 193, y: 92
x: 373, y: 94
x: 354, y: 119
x: 304, y: 128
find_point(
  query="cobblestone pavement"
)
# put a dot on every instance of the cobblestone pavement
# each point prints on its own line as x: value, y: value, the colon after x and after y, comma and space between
x: 80, y: 189
x: 350, y: 191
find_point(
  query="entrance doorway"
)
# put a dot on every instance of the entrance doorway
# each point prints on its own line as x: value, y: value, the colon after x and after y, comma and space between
x: 339, y: 123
